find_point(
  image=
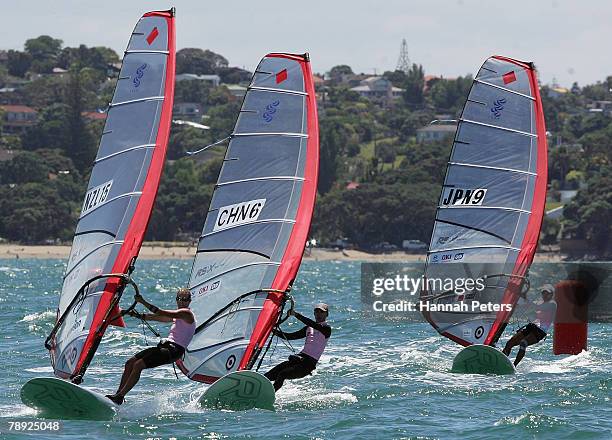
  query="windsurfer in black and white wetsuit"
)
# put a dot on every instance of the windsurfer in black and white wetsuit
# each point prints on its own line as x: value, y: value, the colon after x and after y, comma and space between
x: 168, y: 350
x: 534, y: 332
x: 302, y: 364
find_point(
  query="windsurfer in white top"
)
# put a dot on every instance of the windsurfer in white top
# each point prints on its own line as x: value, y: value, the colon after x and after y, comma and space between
x: 302, y: 364
x: 168, y: 350
x: 534, y: 332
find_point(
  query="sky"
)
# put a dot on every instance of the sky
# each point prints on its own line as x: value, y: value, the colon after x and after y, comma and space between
x: 567, y: 40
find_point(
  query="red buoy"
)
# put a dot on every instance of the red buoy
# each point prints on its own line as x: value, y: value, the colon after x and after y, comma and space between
x: 571, y: 322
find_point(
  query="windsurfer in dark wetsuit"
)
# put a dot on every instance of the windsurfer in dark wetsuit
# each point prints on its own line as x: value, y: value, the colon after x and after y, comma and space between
x: 302, y: 364
x: 534, y: 332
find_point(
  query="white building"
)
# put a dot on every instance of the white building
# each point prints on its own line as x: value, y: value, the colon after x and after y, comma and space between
x: 213, y: 80
x: 377, y: 87
x: 436, y: 132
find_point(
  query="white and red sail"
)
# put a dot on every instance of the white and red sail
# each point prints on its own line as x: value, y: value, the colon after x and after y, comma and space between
x: 492, y: 203
x: 258, y: 220
x: 120, y: 194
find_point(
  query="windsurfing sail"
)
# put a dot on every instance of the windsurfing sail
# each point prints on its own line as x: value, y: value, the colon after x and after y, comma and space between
x: 120, y: 195
x: 255, y: 231
x: 491, y: 207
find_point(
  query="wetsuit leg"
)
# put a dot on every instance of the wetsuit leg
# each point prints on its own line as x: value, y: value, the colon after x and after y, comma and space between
x: 513, y: 342
x: 289, y: 370
x: 521, y: 352
x: 272, y: 375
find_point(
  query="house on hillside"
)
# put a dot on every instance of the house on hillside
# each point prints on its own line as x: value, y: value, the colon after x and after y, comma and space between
x: 212, y: 80
x: 55, y: 72
x: 436, y: 132
x: 556, y: 92
x: 603, y: 107
x: 378, y: 88
x: 113, y: 69
x: 191, y: 111
x: 17, y: 118
x: 9, y: 91
x: 6, y: 154
x: 236, y: 90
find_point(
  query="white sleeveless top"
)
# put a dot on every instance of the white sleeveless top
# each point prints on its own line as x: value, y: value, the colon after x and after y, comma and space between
x: 315, y: 342
x: 181, y: 332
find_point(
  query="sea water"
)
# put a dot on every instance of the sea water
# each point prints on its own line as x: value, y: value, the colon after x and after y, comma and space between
x: 378, y: 378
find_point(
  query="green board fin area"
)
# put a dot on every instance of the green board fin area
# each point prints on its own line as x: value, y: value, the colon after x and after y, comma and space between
x: 482, y: 359
x: 60, y: 399
x: 240, y: 391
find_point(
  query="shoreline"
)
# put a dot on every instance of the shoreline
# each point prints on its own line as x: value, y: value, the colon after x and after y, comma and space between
x: 179, y: 251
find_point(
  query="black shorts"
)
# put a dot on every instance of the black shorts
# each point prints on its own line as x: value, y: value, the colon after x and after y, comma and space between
x: 166, y: 352
x: 531, y: 328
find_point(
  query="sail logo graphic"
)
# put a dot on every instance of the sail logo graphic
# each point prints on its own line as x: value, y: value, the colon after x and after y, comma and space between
x: 69, y: 356
x: 498, y: 107
x: 139, y: 74
x: 448, y: 238
x: 208, y: 287
x: 268, y: 114
x: 230, y: 362
x: 96, y: 196
x: 238, y: 214
x: 208, y: 268
x: 463, y: 196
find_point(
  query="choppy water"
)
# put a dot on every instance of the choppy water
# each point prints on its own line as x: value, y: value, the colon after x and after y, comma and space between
x: 377, y: 378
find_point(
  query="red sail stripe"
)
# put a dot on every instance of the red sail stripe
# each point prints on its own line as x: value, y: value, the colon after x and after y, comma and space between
x: 135, y: 233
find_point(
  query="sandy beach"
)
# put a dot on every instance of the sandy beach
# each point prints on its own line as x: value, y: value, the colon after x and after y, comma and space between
x: 155, y: 251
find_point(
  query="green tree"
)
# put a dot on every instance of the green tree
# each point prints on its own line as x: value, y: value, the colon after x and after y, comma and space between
x: 449, y: 95
x: 192, y: 91
x: 182, y: 202
x: 233, y: 75
x: 34, y: 212
x: 24, y: 167
x: 337, y: 72
x: 45, y: 91
x: 18, y: 63
x: 375, y: 213
x: 81, y: 146
x: 397, y: 77
x: 550, y: 231
x: 51, y: 131
x: 44, y: 51
x: 199, y: 62
x: 414, y: 85
x: 93, y: 57
x: 587, y: 215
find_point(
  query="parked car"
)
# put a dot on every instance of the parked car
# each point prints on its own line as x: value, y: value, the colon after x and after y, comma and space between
x: 414, y: 245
